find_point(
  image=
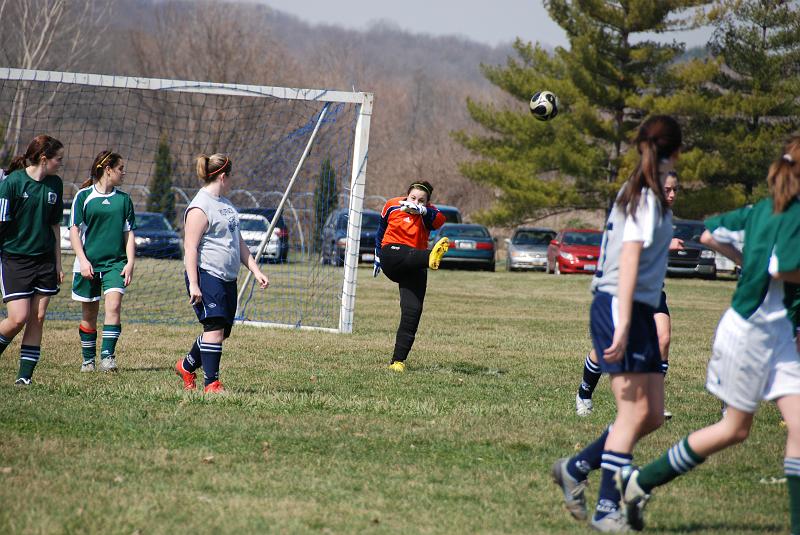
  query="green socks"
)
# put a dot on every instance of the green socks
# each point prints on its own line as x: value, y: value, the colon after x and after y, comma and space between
x: 88, y: 344
x: 791, y: 467
x: 110, y: 337
x: 678, y: 460
x: 4, y: 343
x: 28, y: 359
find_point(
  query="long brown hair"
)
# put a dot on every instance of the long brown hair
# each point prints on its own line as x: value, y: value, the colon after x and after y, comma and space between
x: 41, y: 145
x: 783, y: 178
x: 105, y: 159
x: 209, y: 168
x: 659, y: 137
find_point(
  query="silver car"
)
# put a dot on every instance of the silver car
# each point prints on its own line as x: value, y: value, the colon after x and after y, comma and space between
x: 527, y: 248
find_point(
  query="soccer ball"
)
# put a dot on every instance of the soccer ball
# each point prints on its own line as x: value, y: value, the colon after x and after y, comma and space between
x: 544, y: 105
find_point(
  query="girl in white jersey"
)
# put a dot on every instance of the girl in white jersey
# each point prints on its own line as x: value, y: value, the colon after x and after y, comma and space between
x: 101, y: 223
x: 754, y: 356
x: 627, y: 289
x: 213, y: 250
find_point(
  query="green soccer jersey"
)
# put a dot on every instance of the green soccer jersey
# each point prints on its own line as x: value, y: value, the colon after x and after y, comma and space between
x: 771, y: 245
x: 103, y: 219
x: 28, y: 210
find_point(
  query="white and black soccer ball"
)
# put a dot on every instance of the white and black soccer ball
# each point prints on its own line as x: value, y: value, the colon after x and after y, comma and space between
x: 544, y: 105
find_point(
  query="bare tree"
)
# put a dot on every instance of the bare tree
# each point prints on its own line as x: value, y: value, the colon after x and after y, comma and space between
x: 45, y: 34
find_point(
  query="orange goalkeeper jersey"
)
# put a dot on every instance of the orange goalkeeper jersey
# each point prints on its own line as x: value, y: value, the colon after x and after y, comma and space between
x: 402, y: 228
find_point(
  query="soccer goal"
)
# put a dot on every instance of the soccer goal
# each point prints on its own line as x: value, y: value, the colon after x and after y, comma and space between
x: 298, y: 155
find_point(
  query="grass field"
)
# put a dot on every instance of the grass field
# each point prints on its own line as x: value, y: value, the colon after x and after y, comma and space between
x: 316, y: 436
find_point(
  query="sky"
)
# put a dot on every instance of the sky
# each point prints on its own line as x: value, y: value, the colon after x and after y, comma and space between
x: 488, y: 21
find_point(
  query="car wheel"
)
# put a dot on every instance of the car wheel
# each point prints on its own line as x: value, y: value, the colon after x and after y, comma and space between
x: 490, y: 267
x: 557, y: 269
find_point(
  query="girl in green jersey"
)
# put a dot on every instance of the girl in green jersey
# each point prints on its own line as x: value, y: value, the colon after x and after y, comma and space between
x: 101, y: 231
x: 31, y: 207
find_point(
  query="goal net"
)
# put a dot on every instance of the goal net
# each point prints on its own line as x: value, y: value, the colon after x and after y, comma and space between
x: 298, y: 155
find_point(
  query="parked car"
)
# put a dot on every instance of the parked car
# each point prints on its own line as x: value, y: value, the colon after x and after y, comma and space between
x: 253, y: 228
x: 155, y: 237
x: 470, y: 245
x: 574, y: 250
x: 281, y: 230
x: 66, y: 244
x: 451, y: 213
x: 527, y: 248
x: 694, y: 259
x: 334, y: 236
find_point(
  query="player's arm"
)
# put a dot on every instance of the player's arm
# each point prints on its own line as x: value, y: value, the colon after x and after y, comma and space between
x: 194, y: 227
x: 6, y: 207
x: 433, y: 218
x: 130, y: 254
x: 57, y: 250
x: 250, y: 263
x: 723, y: 248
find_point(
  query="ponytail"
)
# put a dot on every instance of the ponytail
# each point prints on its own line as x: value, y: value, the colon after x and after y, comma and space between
x: 41, y: 145
x: 658, y: 138
x: 783, y: 178
x: 209, y: 168
x: 105, y: 159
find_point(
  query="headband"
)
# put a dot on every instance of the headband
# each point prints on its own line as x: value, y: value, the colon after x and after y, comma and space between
x: 787, y: 158
x: 220, y: 169
x: 423, y: 187
x: 103, y: 161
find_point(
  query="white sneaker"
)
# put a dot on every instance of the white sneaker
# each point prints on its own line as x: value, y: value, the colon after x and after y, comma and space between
x: 87, y: 366
x: 611, y: 523
x: 22, y: 381
x: 108, y: 364
x: 583, y: 407
x: 633, y: 497
x: 574, y: 498
x: 667, y: 415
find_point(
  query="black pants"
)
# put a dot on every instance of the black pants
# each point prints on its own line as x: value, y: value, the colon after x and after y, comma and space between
x: 408, y: 267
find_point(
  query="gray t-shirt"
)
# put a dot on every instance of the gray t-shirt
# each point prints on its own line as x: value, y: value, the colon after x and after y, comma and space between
x: 652, y: 226
x: 218, y: 251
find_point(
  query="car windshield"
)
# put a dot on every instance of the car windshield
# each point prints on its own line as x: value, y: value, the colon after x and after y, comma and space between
x: 255, y: 224
x: 532, y: 237
x: 688, y: 231
x: 152, y: 222
x: 465, y: 232
x: 450, y: 215
x: 583, y: 238
x: 369, y: 222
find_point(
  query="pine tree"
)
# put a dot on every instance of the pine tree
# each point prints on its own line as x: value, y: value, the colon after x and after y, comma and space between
x: 739, y: 104
x: 161, y: 198
x: 574, y: 160
x: 326, y: 199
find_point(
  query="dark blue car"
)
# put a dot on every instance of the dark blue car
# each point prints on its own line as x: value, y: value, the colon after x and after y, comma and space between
x: 334, y: 236
x: 155, y: 237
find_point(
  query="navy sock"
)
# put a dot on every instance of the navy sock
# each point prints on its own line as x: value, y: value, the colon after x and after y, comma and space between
x: 608, y: 499
x: 211, y: 355
x: 4, y: 342
x: 591, y: 375
x: 588, y: 459
x: 193, y: 359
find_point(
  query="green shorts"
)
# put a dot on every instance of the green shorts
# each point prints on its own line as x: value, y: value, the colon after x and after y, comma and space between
x: 89, y: 290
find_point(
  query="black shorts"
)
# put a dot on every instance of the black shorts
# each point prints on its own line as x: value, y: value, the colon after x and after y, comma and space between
x: 218, y: 307
x: 22, y: 276
x: 662, y: 307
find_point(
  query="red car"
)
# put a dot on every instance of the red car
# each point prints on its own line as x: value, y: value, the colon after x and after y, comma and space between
x: 574, y: 250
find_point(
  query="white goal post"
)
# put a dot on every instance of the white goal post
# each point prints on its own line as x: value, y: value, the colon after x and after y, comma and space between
x: 34, y: 102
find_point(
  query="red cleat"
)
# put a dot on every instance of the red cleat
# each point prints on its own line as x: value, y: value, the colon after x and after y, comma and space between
x: 214, y: 388
x: 188, y: 378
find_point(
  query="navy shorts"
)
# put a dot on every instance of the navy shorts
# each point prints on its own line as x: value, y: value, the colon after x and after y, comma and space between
x: 662, y: 305
x: 218, y: 307
x: 642, y: 354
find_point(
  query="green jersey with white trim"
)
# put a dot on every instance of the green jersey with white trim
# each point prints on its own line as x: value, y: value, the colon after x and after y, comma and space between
x: 103, y: 219
x: 28, y: 210
x: 771, y: 245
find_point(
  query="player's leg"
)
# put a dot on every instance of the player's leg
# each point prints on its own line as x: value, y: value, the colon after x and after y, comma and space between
x: 87, y: 292
x: 30, y: 350
x: 113, y: 290
x: 591, y: 376
x: 17, y: 312
x: 412, y: 298
x: 790, y: 410
x: 17, y: 275
x: 211, y: 353
x: 664, y: 329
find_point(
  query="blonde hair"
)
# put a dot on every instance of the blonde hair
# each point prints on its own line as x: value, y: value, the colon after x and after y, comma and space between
x: 209, y: 168
x: 783, y: 177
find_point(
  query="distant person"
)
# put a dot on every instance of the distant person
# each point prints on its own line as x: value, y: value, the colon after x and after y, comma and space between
x: 754, y: 356
x: 627, y: 290
x: 101, y: 223
x: 591, y: 370
x: 401, y: 250
x: 213, y: 250
x: 31, y: 209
